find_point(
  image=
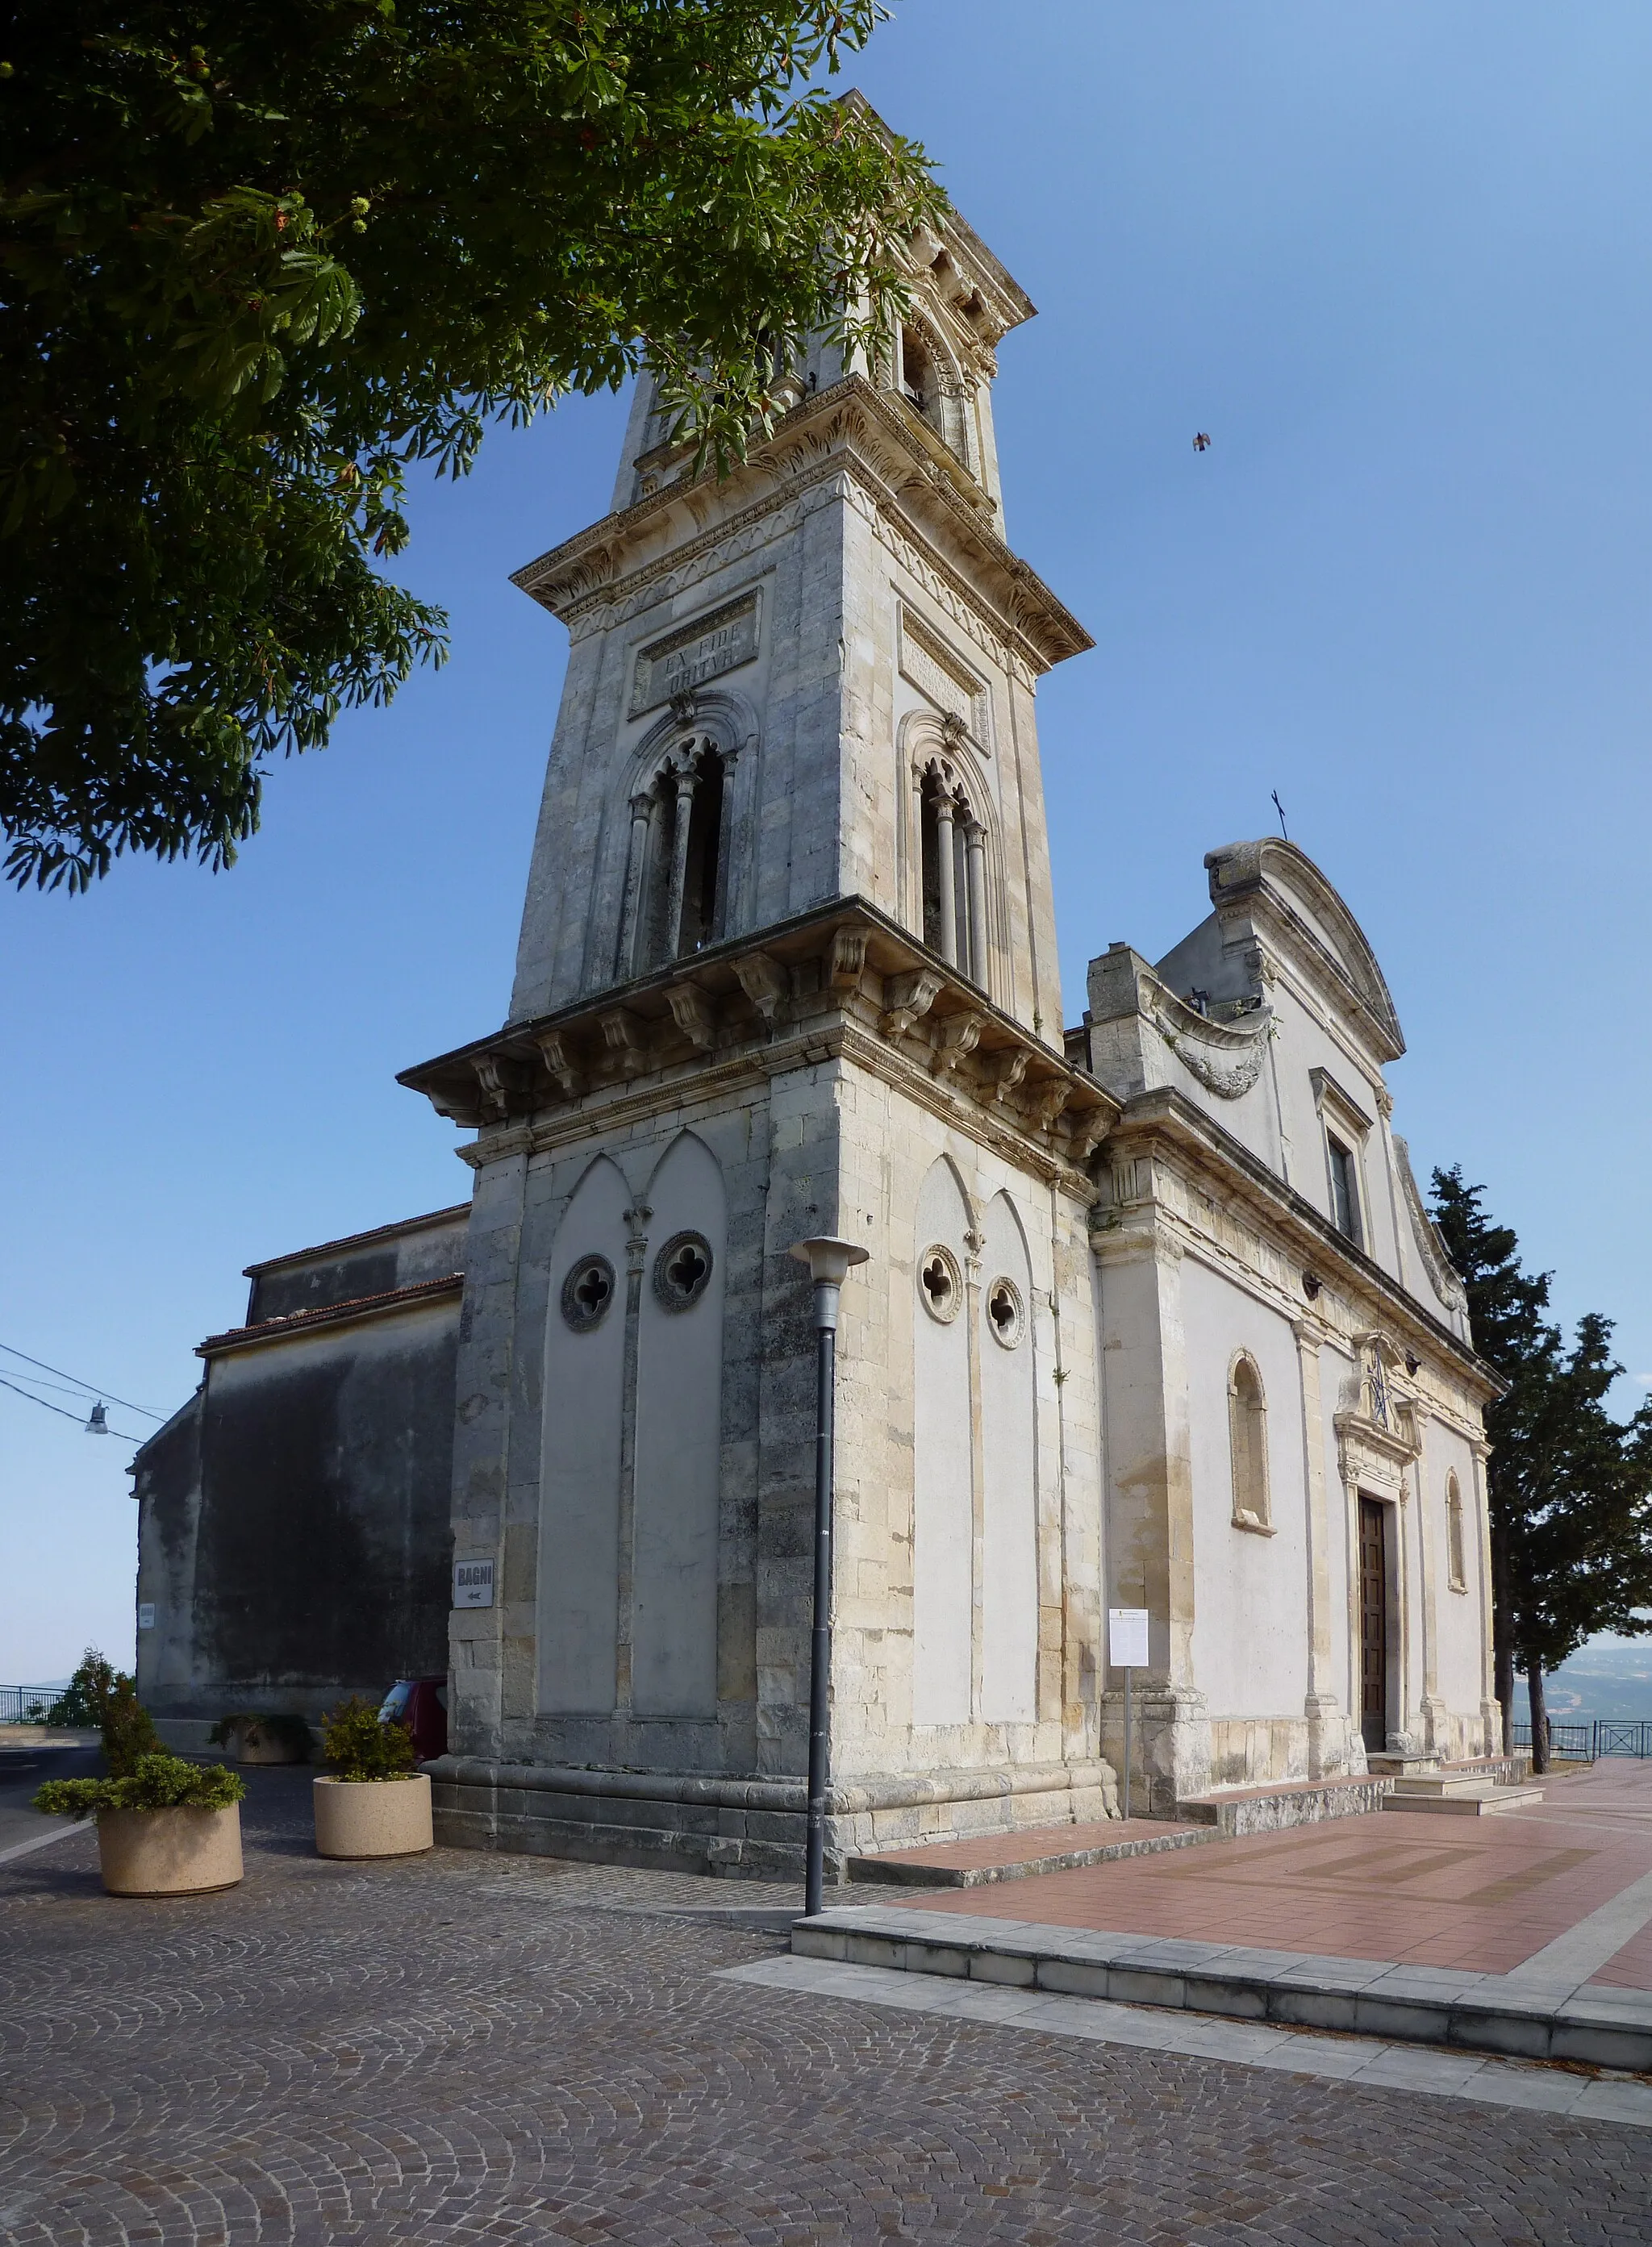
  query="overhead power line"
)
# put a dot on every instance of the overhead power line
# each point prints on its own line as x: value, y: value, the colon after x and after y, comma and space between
x: 125, y: 1436
x: 86, y: 1387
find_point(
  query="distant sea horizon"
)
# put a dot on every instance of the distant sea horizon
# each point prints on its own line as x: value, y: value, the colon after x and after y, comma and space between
x: 1611, y: 1681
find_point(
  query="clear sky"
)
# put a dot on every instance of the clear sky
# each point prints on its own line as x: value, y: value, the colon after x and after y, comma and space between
x: 1395, y: 260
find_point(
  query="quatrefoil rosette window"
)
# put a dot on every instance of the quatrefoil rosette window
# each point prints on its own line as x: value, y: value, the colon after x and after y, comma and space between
x: 1006, y: 1313
x: 682, y: 1271
x: 940, y: 1283
x: 587, y: 1292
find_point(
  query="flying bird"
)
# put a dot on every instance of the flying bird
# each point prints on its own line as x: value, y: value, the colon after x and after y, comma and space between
x: 1202, y: 441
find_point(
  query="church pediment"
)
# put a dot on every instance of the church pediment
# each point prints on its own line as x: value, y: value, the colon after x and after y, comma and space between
x: 1276, y: 890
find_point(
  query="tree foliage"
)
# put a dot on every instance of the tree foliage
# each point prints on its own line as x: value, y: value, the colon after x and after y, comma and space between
x: 256, y: 262
x: 1569, y: 1486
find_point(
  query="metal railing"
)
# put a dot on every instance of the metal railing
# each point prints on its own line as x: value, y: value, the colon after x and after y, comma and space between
x: 1605, y: 1736
x: 27, y: 1704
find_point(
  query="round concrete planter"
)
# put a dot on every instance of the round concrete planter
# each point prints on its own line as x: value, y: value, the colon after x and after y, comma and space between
x: 165, y: 1852
x: 372, y: 1817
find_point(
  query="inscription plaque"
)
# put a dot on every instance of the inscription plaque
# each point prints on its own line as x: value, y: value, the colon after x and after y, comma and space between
x: 695, y: 653
x: 939, y: 675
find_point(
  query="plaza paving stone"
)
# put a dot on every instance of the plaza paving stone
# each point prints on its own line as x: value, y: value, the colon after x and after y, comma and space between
x: 462, y: 2048
x: 1482, y: 1894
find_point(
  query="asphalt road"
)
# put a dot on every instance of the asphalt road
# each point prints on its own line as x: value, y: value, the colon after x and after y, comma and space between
x: 22, y: 1770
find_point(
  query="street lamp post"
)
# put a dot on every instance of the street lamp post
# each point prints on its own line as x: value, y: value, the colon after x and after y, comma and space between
x: 829, y: 1262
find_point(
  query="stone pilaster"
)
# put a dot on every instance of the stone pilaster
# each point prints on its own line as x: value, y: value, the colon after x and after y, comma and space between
x: 1149, y: 1501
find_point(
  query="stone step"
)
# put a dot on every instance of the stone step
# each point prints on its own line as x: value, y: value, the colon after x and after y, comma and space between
x: 1445, y: 1782
x: 981, y: 1859
x: 1597, y: 2026
x: 1478, y: 1800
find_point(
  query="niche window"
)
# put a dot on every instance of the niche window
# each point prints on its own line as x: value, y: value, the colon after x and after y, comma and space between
x: 675, y: 880
x: 954, y: 844
x: 1345, y: 1191
x: 1347, y: 1127
x: 1247, y: 1441
x: 1456, y: 1556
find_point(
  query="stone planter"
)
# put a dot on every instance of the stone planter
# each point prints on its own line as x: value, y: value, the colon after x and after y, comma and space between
x: 372, y: 1817
x: 164, y: 1853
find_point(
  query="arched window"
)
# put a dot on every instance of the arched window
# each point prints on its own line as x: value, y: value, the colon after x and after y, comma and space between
x: 929, y: 385
x: 674, y: 877
x: 954, y: 875
x: 1247, y: 1439
x: 1455, y: 1551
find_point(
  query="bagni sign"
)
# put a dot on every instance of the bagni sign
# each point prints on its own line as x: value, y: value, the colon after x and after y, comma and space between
x: 472, y: 1583
x: 697, y: 652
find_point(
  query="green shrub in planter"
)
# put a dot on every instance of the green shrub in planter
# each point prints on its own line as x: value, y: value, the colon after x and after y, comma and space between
x: 357, y: 1746
x: 155, y: 1782
x: 101, y: 1695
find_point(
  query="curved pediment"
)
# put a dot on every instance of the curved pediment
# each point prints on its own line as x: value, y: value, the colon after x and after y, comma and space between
x: 1284, y: 883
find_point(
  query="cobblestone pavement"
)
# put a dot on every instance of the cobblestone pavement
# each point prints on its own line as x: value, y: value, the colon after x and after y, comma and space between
x: 459, y: 2048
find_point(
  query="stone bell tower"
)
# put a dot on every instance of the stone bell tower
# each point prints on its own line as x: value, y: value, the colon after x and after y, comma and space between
x: 786, y: 967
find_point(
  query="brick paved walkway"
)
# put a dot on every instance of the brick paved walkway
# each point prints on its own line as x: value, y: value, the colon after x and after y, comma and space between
x: 1481, y: 1893
x: 462, y: 2049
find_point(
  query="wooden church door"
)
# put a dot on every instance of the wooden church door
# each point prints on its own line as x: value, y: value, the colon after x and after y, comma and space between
x: 1374, y: 1624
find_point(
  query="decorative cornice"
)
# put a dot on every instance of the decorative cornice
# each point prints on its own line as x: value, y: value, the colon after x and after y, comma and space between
x: 849, y: 429
x: 843, y: 980
x: 1166, y: 1122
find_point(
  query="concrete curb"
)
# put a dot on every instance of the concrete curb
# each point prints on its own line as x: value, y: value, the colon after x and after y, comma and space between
x: 1596, y: 2026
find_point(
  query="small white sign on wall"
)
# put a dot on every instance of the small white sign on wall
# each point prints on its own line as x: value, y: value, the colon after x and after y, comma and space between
x: 147, y: 1615
x: 1127, y: 1638
x: 472, y: 1583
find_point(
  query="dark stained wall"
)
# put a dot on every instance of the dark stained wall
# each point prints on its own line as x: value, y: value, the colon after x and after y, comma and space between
x: 322, y: 1551
x: 318, y: 1287
x: 294, y: 1534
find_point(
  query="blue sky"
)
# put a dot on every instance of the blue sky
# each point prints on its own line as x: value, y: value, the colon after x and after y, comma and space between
x: 1395, y: 260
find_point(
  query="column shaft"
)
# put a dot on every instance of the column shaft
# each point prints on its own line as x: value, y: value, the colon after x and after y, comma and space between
x: 948, y: 870
x: 678, y: 864
x: 975, y: 844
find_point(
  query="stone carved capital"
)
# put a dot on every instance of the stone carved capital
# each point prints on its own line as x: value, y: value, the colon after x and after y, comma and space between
x: 624, y: 1034
x: 909, y: 996
x: 557, y: 1056
x: 846, y: 963
x: 1045, y: 1101
x: 693, y: 1014
x: 764, y: 981
x: 955, y: 1036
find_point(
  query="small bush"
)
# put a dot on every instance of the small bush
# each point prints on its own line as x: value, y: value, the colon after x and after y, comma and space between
x: 156, y: 1782
x: 293, y: 1732
x: 357, y: 1746
x: 79, y: 1706
x: 101, y: 1695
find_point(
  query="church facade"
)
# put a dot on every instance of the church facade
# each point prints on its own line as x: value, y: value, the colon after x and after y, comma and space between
x: 1152, y: 1317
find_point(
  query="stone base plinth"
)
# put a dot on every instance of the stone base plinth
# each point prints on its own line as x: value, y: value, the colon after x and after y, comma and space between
x: 705, y: 1822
